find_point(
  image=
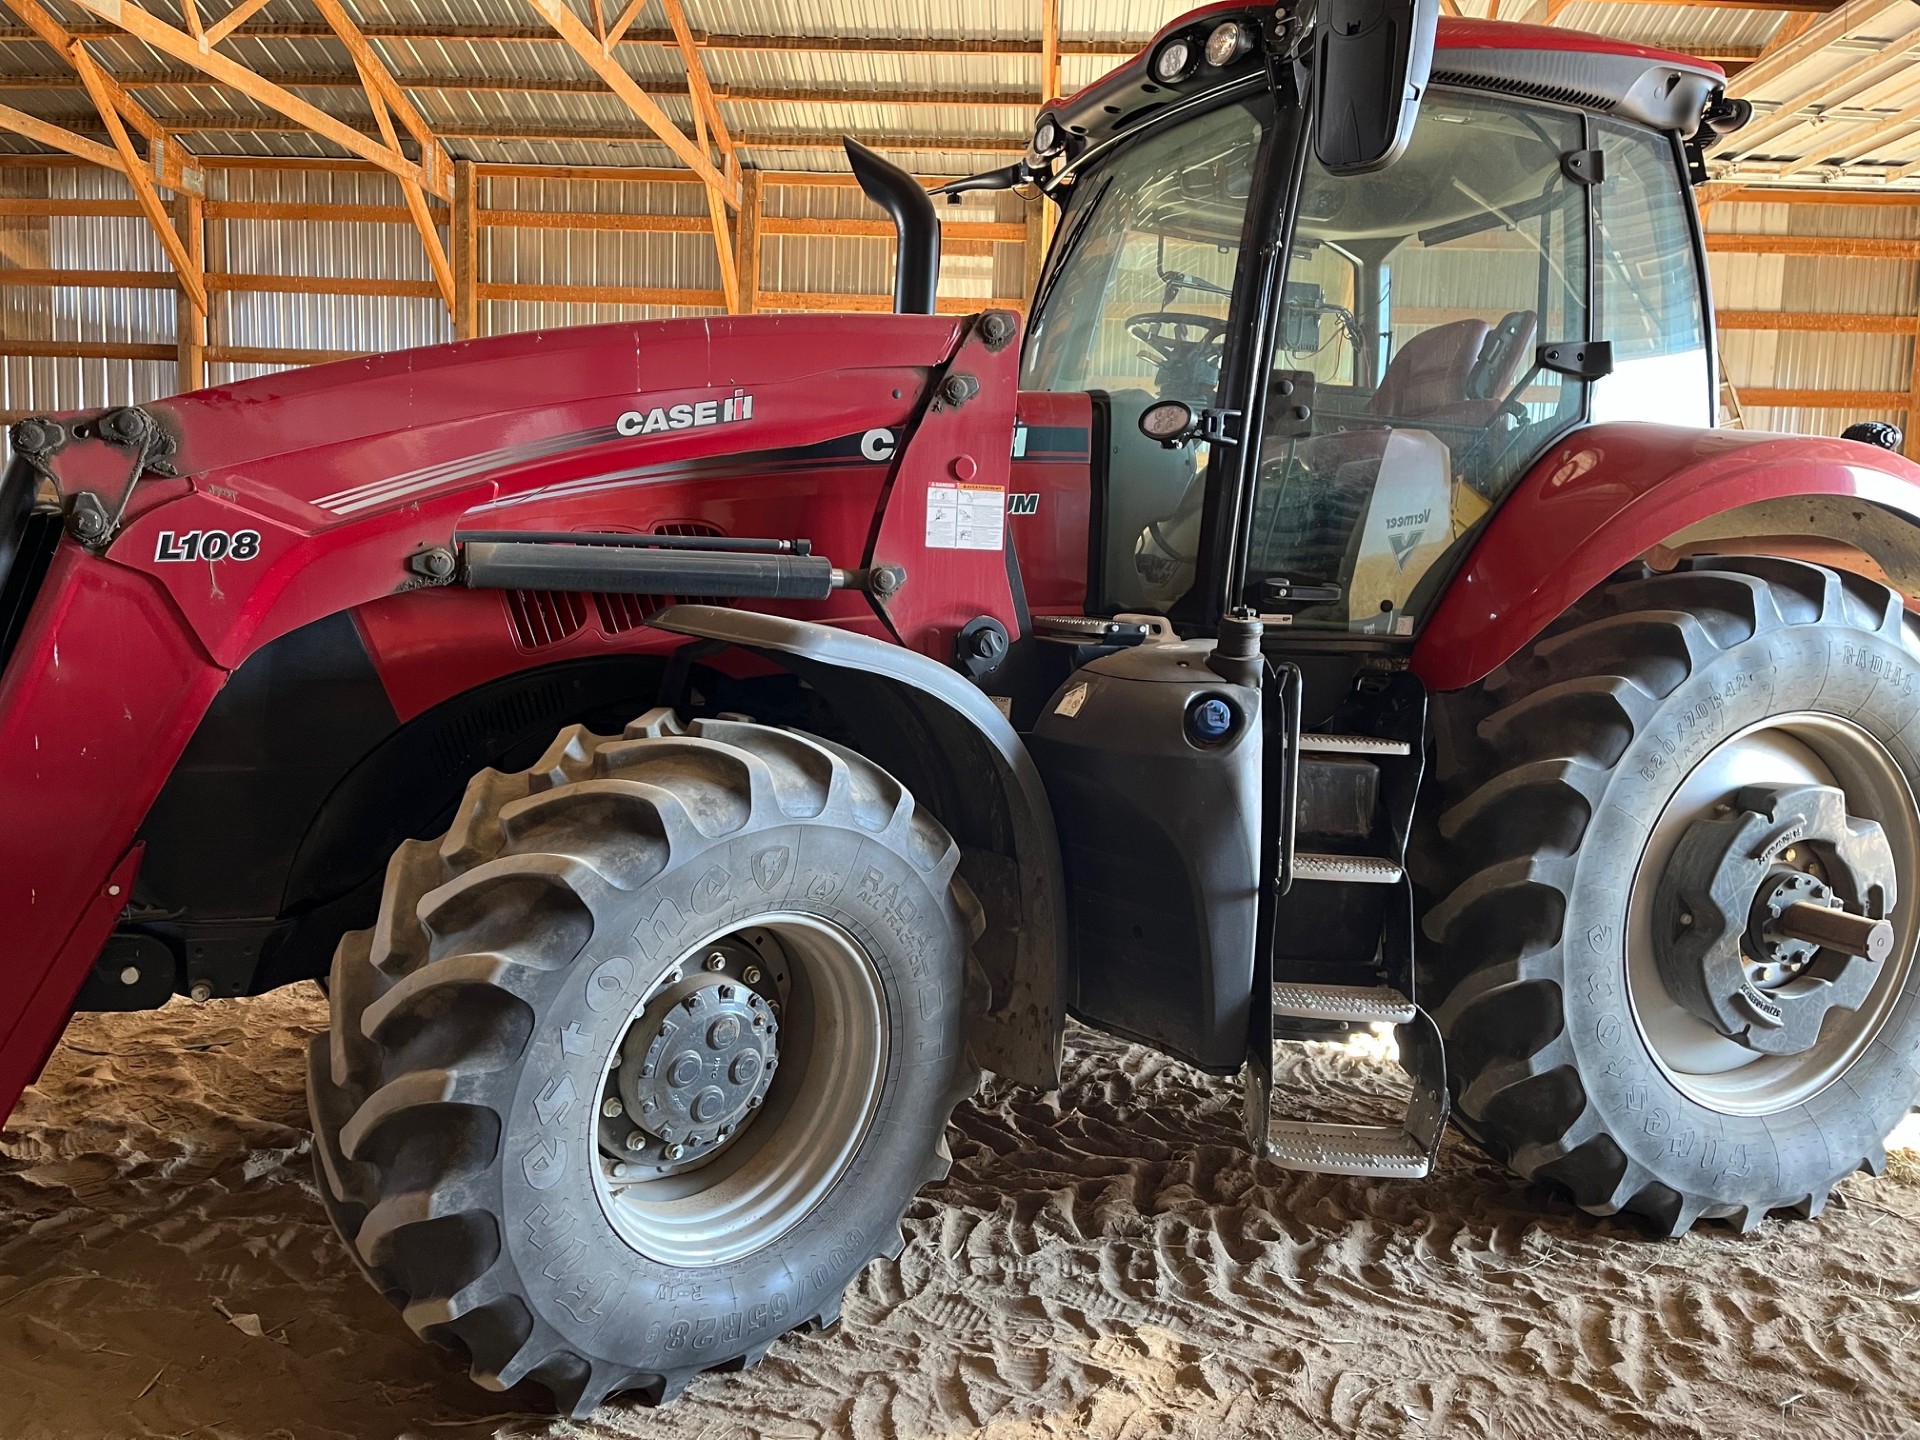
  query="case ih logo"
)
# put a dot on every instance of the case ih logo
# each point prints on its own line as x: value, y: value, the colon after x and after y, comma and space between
x: 737, y: 406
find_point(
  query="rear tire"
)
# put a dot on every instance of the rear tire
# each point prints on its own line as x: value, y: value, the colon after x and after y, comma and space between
x: 469, y: 1132
x: 1554, y: 778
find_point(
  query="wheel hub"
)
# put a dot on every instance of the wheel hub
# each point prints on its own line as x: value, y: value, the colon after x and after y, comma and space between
x: 694, y: 1067
x: 1773, y: 912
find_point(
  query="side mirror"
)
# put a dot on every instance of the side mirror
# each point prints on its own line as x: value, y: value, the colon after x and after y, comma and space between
x: 1369, y: 61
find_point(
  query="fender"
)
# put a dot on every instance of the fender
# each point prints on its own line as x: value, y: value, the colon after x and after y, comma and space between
x: 949, y: 744
x: 1608, y: 494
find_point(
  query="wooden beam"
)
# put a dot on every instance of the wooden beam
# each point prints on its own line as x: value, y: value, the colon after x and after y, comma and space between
x: 233, y: 20
x: 1049, y: 51
x: 465, y: 235
x: 135, y: 167
x: 708, y: 124
x: 44, y: 133
x: 436, y: 166
x: 625, y: 22
x: 163, y: 156
x: 833, y: 302
x: 416, y: 200
x: 698, y: 87
x: 605, y: 295
x: 1845, y: 246
x: 1882, y: 400
x: 365, y: 130
x: 1856, y: 144
x: 747, y: 241
x: 1746, y: 192
x: 1794, y: 43
x: 1816, y: 322
x: 417, y: 31
x: 581, y: 40
x: 190, y: 316
x: 183, y: 47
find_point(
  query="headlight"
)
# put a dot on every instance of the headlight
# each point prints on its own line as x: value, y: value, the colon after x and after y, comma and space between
x: 1167, y: 421
x: 1228, y: 43
x: 1174, y: 60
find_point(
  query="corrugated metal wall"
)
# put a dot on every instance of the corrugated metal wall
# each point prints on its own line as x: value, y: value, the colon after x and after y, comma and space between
x: 359, y: 250
x: 1835, y: 284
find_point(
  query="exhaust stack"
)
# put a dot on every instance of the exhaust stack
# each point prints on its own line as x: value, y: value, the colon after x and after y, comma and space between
x: 916, y: 269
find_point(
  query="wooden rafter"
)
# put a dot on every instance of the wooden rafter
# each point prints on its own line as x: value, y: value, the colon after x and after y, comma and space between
x: 1795, y: 41
x: 181, y: 46
x: 135, y: 168
x: 569, y: 28
x: 436, y: 165
x: 708, y: 125
x: 418, y: 31
x: 60, y: 138
x: 624, y: 23
x: 169, y: 167
x: 1021, y: 99
x: 233, y: 20
x: 1856, y: 143
x: 415, y: 197
x: 1792, y: 112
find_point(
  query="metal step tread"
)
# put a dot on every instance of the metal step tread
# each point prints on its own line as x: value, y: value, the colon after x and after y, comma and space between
x: 1354, y: 745
x: 1353, y: 869
x: 1385, y: 1151
x: 1360, y: 1004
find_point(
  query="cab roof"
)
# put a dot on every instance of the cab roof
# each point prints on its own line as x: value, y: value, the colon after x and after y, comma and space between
x: 1658, y: 88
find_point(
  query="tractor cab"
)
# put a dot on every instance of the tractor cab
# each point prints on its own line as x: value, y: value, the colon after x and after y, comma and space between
x: 1358, y: 366
x: 1335, y: 278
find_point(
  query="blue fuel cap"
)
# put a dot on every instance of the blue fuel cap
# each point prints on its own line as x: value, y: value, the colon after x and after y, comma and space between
x: 1209, y: 720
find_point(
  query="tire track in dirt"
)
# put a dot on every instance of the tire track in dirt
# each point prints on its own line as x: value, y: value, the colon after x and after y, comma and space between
x: 1109, y: 1264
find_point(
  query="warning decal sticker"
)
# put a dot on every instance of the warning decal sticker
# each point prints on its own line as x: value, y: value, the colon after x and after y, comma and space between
x: 966, y: 517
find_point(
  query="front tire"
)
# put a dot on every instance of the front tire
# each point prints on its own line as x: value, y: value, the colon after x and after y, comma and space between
x: 643, y: 1061
x: 1565, y: 784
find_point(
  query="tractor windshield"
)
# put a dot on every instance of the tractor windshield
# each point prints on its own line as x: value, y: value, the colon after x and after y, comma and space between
x: 1136, y: 309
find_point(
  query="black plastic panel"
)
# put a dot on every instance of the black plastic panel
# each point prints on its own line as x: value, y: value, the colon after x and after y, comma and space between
x: 1160, y: 842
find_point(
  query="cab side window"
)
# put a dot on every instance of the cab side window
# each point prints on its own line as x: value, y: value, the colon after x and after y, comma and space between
x: 1646, y: 286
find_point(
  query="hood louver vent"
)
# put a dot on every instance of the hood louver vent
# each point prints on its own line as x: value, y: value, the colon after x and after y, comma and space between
x: 546, y: 617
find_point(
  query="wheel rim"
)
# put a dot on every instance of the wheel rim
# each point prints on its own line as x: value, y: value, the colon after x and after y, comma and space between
x: 794, y: 1145
x: 1705, y: 1065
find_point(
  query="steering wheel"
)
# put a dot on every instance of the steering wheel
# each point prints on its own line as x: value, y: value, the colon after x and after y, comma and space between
x: 1187, y: 347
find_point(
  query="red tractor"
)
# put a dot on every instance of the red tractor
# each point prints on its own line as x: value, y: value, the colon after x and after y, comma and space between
x: 718, y: 740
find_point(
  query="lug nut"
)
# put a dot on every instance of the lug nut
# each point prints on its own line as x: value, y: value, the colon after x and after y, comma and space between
x: 751, y: 975
x: 201, y: 990
x: 716, y: 961
x: 621, y: 1171
x: 674, y: 1152
x: 636, y: 1140
x: 613, y: 1109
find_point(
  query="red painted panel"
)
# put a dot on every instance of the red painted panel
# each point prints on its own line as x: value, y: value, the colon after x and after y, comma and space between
x: 1606, y: 495
x: 1052, y: 464
x: 99, y: 699
x: 943, y: 518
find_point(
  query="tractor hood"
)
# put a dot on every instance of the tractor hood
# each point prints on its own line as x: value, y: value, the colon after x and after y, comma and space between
x: 282, y: 489
x: 388, y: 429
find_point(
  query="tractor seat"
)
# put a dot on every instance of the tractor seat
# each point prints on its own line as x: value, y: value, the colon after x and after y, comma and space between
x: 1431, y: 371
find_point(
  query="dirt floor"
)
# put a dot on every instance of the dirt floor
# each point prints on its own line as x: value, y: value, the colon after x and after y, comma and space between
x: 1110, y: 1265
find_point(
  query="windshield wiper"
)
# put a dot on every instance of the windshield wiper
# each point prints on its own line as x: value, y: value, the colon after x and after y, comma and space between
x: 1067, y: 241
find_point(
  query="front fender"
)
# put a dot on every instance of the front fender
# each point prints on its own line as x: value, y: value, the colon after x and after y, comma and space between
x: 947, y: 743
x: 1606, y: 495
